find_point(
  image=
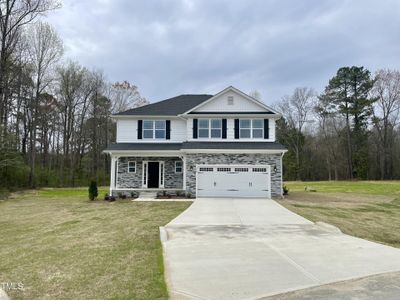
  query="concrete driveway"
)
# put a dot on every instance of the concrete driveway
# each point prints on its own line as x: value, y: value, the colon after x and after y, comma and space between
x: 254, y: 248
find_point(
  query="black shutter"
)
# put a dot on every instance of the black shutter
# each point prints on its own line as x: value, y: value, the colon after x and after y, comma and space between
x: 224, y: 128
x: 195, y: 128
x: 139, y: 129
x: 168, y: 129
x: 236, y: 128
x: 266, y: 129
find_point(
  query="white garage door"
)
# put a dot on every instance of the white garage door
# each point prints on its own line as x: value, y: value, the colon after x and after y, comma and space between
x: 233, y: 181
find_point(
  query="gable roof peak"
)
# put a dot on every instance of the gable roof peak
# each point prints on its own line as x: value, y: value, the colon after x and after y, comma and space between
x: 236, y: 90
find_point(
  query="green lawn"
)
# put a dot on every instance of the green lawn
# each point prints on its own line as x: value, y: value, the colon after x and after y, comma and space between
x: 366, y: 209
x: 361, y: 187
x: 62, y: 246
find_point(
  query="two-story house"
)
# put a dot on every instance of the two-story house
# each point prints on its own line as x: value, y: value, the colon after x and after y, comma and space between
x: 219, y: 145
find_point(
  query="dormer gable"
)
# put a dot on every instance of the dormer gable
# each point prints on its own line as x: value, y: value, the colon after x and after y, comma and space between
x: 232, y: 100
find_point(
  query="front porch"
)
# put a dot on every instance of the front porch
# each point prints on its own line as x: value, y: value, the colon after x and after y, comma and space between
x: 147, y: 173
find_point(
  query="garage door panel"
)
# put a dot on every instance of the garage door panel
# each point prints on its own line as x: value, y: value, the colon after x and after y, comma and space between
x: 233, y: 181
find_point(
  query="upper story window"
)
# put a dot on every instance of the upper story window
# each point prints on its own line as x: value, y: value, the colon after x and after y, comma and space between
x: 210, y: 128
x: 251, y: 128
x: 154, y: 129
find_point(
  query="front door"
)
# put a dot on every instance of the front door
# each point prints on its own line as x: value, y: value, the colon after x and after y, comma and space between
x: 153, y: 174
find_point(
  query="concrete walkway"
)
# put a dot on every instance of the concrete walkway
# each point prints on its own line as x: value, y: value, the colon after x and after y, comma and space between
x: 254, y: 248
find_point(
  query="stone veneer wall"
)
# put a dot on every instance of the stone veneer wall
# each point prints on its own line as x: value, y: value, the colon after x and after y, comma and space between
x: 250, y: 159
x: 127, y: 180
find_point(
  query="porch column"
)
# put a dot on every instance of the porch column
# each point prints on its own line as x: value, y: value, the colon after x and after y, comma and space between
x: 112, y: 174
x: 184, y: 171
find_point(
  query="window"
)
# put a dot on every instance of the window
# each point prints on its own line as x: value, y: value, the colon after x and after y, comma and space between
x: 259, y: 169
x: 258, y: 129
x: 131, y: 166
x: 251, y: 129
x: 241, y: 169
x: 223, y: 169
x: 178, y: 166
x: 203, y: 128
x: 230, y: 100
x: 204, y: 169
x: 161, y: 174
x: 210, y: 128
x: 154, y: 129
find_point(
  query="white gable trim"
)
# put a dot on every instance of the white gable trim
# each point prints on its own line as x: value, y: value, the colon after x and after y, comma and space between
x: 233, y: 89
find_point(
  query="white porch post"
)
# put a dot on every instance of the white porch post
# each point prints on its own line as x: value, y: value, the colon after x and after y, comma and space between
x: 112, y: 174
x: 184, y: 171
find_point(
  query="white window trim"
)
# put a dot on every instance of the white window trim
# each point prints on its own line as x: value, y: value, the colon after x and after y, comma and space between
x: 179, y: 161
x: 251, y: 130
x: 154, y: 130
x: 131, y: 161
x: 209, y: 129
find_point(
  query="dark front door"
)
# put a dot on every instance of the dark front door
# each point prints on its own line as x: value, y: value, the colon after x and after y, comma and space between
x: 154, y: 174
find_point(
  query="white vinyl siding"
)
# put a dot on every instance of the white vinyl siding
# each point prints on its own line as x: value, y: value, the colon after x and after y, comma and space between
x: 240, y: 104
x: 126, y: 131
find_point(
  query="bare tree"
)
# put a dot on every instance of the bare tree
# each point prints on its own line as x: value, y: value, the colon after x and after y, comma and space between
x: 125, y: 96
x: 14, y: 15
x: 330, y: 126
x: 297, y: 110
x: 386, y: 115
x: 256, y: 95
x: 46, y: 48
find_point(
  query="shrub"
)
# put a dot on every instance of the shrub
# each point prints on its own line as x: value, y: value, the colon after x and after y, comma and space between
x: 285, y: 190
x: 93, y: 192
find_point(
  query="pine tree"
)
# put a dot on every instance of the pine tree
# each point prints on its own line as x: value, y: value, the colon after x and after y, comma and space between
x: 348, y: 94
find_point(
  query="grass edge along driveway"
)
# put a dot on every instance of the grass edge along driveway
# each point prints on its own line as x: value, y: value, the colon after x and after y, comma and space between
x: 62, y: 246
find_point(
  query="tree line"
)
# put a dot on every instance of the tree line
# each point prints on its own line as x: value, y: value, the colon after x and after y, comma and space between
x: 349, y: 131
x: 54, y: 114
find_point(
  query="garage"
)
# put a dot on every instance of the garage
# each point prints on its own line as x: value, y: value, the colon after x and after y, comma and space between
x: 233, y: 181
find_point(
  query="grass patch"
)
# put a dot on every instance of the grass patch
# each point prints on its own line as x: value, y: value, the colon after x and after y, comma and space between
x: 391, y: 187
x: 369, y: 210
x: 60, y: 245
x: 69, y: 192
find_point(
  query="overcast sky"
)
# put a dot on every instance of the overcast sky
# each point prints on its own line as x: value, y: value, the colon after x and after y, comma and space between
x: 171, y: 47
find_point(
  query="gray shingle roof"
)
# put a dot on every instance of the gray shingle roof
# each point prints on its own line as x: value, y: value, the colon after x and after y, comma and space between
x: 143, y: 146
x: 169, y: 107
x: 195, y: 145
